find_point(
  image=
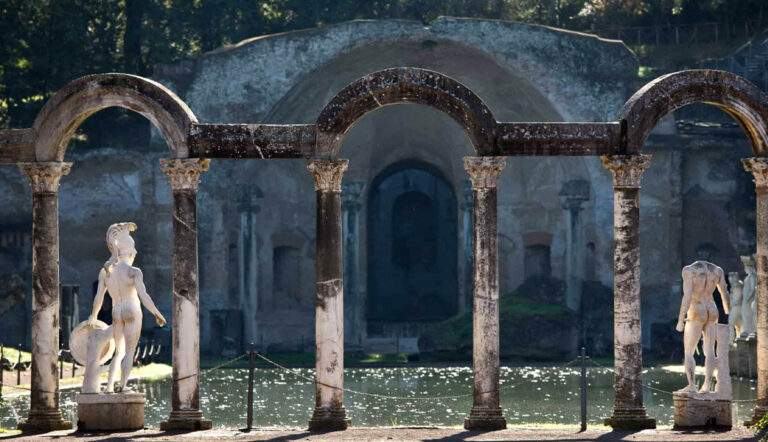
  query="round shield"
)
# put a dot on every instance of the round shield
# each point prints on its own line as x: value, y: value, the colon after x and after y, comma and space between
x: 98, y: 335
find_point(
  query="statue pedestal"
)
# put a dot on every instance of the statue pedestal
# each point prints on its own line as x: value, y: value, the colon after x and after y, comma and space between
x: 744, y: 357
x: 696, y: 411
x: 110, y: 412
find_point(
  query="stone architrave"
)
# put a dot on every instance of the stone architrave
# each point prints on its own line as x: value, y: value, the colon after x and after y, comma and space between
x: 486, y: 413
x: 628, y: 410
x: 758, y: 166
x: 184, y: 177
x: 44, y: 412
x: 329, y: 413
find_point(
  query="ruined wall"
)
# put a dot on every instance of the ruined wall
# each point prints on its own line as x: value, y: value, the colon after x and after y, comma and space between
x: 255, y: 216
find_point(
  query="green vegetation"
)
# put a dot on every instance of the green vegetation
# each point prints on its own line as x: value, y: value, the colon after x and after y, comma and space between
x: 47, y: 43
x: 12, y: 354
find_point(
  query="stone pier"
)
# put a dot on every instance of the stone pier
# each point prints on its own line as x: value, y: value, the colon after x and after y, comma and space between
x: 354, y: 313
x: 44, y: 413
x: 758, y: 166
x: 628, y: 409
x: 329, y: 413
x: 486, y: 414
x: 184, y: 176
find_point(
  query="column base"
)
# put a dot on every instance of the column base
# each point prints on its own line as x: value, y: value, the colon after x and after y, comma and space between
x: 186, y: 420
x: 324, y: 420
x: 633, y: 419
x: 485, y: 419
x: 44, y: 421
x: 758, y: 414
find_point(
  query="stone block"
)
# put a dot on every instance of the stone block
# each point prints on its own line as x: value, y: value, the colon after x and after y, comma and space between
x: 692, y: 412
x: 743, y: 358
x: 110, y: 412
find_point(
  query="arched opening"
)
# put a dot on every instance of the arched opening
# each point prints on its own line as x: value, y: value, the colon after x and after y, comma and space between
x: 412, y: 249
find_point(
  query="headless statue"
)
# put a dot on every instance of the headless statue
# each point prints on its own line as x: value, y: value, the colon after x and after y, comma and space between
x: 698, y: 318
x: 735, y: 321
x: 125, y: 285
x: 748, y: 298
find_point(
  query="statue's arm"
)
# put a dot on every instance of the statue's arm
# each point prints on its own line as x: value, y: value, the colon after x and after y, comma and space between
x: 99, y: 299
x: 722, y: 287
x: 686, y: 301
x: 141, y: 289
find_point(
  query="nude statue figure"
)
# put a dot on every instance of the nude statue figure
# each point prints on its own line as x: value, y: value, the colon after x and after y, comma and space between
x: 698, y: 317
x: 735, y: 322
x: 125, y: 285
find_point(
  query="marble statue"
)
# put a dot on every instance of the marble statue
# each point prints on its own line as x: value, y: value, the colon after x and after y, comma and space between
x: 93, y: 341
x: 698, y: 318
x: 735, y: 322
x: 748, y: 300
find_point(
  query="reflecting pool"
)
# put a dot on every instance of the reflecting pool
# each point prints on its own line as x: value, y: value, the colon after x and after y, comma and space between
x: 423, y: 396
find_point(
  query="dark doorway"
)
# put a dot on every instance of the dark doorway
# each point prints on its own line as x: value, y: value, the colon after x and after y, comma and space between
x: 412, y: 246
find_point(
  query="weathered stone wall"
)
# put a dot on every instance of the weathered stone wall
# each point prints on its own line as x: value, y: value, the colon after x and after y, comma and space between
x: 249, y: 208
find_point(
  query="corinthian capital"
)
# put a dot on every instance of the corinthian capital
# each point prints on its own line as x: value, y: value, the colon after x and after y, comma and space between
x: 759, y: 168
x: 627, y: 169
x: 45, y: 177
x: 184, y: 174
x: 484, y: 171
x: 327, y: 174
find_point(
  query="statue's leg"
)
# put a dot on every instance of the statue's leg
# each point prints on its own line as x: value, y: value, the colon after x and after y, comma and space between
x: 691, y: 336
x: 117, y: 358
x: 709, y: 356
x: 131, y: 333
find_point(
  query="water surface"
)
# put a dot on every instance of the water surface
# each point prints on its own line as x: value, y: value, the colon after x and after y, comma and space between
x: 528, y: 395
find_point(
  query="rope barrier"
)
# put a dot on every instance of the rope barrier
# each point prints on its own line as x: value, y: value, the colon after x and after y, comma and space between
x: 205, y: 372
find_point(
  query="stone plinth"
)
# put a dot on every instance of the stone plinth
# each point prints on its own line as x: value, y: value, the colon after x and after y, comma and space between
x: 743, y: 357
x: 110, y: 412
x: 692, y: 412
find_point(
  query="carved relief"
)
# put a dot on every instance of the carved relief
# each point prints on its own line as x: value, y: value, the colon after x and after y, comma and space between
x: 328, y: 174
x: 484, y: 171
x: 45, y: 177
x: 184, y: 174
x: 627, y: 170
x: 758, y: 166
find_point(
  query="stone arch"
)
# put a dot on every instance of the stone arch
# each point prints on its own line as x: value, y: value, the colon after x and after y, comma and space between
x: 729, y: 92
x: 71, y: 105
x: 405, y: 85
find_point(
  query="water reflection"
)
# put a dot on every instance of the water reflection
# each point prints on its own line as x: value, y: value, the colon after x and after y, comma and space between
x: 529, y: 395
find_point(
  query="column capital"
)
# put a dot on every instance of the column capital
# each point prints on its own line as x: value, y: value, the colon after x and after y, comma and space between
x: 184, y: 173
x: 44, y: 177
x: 484, y: 171
x: 627, y: 169
x: 758, y: 166
x: 327, y: 174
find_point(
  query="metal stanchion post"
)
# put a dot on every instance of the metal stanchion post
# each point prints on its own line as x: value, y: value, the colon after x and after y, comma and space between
x: 251, y: 363
x: 18, y: 368
x: 61, y: 365
x: 583, y: 389
x: 2, y: 368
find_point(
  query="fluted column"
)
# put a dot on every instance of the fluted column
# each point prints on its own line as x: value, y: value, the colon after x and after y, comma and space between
x: 759, y: 169
x: 44, y: 413
x: 329, y: 413
x: 628, y: 409
x: 184, y: 176
x: 486, y: 414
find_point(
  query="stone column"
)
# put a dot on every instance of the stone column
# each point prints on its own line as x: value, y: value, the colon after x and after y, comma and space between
x: 628, y: 409
x: 184, y: 176
x: 248, y: 266
x: 759, y: 168
x: 465, y: 255
x: 572, y: 196
x: 486, y: 413
x: 44, y: 413
x: 353, y: 306
x: 329, y: 413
